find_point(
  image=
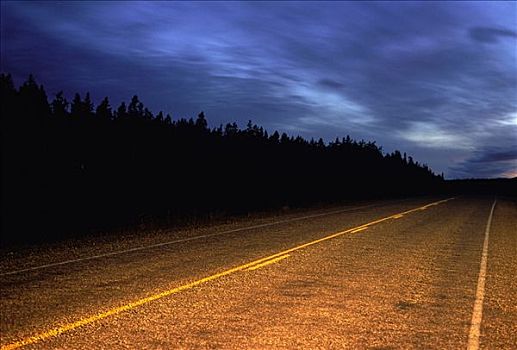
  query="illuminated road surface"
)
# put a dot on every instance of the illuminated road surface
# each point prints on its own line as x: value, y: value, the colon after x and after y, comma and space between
x: 387, y: 275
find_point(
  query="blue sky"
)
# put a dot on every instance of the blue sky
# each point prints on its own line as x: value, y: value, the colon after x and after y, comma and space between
x: 435, y: 79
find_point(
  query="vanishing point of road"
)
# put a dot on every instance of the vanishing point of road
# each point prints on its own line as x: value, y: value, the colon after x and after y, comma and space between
x: 424, y: 273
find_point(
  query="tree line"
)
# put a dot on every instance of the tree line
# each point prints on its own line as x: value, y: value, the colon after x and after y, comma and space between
x: 73, y: 167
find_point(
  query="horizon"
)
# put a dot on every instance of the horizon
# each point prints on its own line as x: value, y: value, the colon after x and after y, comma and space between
x: 242, y: 127
x: 434, y: 80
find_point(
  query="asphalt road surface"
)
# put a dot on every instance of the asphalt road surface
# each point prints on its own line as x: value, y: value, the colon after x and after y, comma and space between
x: 428, y: 273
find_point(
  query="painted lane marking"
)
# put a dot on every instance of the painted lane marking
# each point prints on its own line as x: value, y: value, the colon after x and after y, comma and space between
x: 71, y: 326
x: 158, y: 245
x: 398, y: 216
x: 359, y: 230
x: 83, y: 322
x: 272, y: 261
x: 477, y: 313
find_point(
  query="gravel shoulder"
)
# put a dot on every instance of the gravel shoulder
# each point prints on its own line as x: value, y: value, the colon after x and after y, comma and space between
x: 23, y: 257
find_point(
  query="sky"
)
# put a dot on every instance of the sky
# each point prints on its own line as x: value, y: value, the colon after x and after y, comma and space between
x: 437, y: 80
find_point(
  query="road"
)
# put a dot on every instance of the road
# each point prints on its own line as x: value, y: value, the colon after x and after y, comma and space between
x: 384, y: 275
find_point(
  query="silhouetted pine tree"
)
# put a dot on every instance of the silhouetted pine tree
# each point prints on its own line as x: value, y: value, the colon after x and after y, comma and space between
x: 78, y: 169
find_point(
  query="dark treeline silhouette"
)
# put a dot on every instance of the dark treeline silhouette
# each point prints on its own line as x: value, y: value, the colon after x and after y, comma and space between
x: 73, y: 167
x: 501, y: 187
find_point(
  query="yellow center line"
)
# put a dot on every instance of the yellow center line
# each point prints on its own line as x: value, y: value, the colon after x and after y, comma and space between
x: 272, y: 261
x: 85, y: 321
x: 359, y: 230
x: 397, y: 216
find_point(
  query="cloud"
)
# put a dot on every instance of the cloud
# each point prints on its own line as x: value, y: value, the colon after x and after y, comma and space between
x: 331, y: 84
x: 404, y: 74
x: 429, y: 135
x: 488, y: 163
x: 497, y: 156
x: 490, y: 35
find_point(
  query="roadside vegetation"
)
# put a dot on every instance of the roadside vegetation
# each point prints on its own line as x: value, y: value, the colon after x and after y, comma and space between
x: 72, y: 167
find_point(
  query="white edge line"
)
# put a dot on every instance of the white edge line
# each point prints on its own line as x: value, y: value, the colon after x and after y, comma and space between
x: 477, y: 313
x: 66, y: 262
x: 187, y: 239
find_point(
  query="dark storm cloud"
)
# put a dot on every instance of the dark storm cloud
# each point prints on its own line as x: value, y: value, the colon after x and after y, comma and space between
x: 491, y: 35
x: 488, y: 163
x: 414, y: 76
x: 332, y: 84
x: 497, y: 156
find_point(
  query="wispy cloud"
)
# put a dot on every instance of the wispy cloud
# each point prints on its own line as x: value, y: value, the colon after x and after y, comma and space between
x: 491, y: 35
x: 425, y: 77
